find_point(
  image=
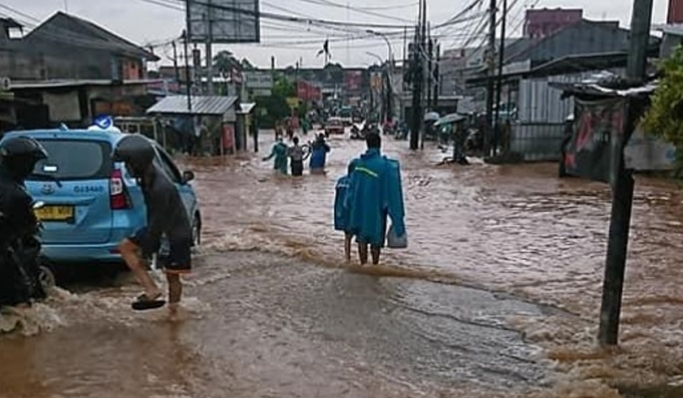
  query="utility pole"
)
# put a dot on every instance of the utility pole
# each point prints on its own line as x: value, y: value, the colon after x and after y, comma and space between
x: 499, y: 88
x: 188, y: 78
x: 491, y: 63
x: 208, y: 51
x: 175, y: 63
x: 423, y: 47
x: 416, y: 76
x: 187, y: 34
x: 430, y: 78
x: 437, y: 86
x: 622, y: 190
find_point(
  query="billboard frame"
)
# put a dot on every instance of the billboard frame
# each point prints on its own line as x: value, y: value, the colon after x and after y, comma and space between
x: 232, y: 21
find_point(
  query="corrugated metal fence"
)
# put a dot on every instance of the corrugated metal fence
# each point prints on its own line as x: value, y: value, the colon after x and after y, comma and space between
x: 539, y: 103
x: 539, y: 130
x: 537, y: 141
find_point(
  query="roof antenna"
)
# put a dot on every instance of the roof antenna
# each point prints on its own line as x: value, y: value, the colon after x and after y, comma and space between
x: 66, y: 6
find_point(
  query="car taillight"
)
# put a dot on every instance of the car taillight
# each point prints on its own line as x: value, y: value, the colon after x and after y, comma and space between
x: 117, y: 190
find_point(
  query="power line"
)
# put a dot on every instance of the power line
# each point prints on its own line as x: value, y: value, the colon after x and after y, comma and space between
x: 354, y: 9
x: 281, y: 17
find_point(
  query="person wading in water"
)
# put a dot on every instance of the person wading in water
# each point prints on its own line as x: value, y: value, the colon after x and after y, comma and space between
x: 297, y: 156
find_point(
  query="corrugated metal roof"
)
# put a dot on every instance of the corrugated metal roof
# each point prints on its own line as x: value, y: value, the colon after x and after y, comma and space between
x: 201, y: 105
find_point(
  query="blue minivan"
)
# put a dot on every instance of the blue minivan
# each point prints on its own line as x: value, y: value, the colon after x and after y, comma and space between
x: 91, y: 202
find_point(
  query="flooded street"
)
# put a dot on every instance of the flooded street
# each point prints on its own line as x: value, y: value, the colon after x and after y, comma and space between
x: 497, y: 295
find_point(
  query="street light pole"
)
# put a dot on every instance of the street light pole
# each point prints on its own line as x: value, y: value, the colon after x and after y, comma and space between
x: 372, y: 88
x: 389, y: 70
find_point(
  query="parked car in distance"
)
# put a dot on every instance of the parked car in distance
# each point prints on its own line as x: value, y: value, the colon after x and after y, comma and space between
x: 334, y: 125
x: 90, y: 202
x: 346, y: 115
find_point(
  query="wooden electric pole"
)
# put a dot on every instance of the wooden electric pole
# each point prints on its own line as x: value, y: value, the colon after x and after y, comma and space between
x: 622, y: 189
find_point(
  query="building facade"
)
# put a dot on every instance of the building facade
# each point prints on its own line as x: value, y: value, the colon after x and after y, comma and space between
x: 68, y: 47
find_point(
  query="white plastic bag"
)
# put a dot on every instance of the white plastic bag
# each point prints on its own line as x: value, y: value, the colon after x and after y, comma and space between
x: 396, y: 242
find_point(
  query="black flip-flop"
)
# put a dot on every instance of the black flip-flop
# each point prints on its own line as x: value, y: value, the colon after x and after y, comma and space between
x: 143, y: 303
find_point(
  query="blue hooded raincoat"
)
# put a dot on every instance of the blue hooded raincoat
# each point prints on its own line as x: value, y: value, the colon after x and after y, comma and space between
x: 375, y: 192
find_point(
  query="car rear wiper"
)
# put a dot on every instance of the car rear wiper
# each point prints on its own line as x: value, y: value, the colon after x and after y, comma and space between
x: 49, y: 177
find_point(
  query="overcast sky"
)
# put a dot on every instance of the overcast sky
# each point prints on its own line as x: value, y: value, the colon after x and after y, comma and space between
x: 145, y: 23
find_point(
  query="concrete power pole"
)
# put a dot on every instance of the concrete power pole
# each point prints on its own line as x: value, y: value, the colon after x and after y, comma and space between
x: 622, y: 191
x: 208, y: 51
x: 499, y: 86
x: 491, y: 63
x: 416, y: 77
x: 175, y: 63
x: 187, y: 36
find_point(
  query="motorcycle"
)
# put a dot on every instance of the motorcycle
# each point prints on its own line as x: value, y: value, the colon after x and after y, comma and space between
x: 21, y: 261
x: 356, y: 133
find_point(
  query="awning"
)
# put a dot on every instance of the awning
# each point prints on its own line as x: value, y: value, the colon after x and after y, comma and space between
x: 450, y: 118
x: 200, y: 105
x: 602, y: 90
x: 431, y: 116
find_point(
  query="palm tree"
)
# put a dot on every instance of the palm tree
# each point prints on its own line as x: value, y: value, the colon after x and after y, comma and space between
x: 224, y: 61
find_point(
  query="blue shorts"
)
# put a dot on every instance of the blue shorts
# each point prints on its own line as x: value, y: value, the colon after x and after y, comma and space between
x: 174, y: 256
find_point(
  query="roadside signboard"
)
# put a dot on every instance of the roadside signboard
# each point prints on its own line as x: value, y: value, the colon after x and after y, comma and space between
x: 259, y: 79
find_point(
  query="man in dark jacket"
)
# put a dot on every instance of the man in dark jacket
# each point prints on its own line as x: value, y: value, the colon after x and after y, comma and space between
x: 166, y: 217
x: 19, y: 282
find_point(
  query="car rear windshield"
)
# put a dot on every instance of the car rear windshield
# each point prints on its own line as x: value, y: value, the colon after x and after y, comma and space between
x: 74, y: 160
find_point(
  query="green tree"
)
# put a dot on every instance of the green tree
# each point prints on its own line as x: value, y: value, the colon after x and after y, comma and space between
x: 664, y: 118
x: 224, y: 61
x: 283, y: 87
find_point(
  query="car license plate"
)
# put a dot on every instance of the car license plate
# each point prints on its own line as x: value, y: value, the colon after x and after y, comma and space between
x: 55, y: 213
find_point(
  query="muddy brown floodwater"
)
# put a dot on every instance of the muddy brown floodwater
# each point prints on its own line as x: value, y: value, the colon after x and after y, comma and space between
x: 497, y: 295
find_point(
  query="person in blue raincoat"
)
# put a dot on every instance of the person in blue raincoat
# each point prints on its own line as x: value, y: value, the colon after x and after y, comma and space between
x: 375, y: 192
x: 279, y: 152
x: 319, y: 150
x: 341, y: 211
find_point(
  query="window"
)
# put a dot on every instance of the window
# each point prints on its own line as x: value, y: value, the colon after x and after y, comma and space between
x: 163, y: 161
x: 75, y: 159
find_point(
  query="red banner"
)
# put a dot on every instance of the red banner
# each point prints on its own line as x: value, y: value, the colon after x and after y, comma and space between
x: 307, y: 92
x: 228, y: 137
x: 598, y: 131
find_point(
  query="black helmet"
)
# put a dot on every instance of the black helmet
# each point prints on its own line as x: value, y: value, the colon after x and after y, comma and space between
x: 19, y: 155
x: 136, y: 151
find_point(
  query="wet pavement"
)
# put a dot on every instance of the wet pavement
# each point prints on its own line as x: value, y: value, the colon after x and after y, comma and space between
x: 497, y: 295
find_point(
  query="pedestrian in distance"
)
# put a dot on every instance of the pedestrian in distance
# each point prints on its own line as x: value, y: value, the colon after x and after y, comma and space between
x: 297, y: 156
x: 375, y: 193
x: 166, y: 217
x: 319, y: 150
x: 279, y: 152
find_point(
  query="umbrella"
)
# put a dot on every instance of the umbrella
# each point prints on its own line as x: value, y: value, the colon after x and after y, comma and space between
x: 450, y: 118
x: 431, y: 116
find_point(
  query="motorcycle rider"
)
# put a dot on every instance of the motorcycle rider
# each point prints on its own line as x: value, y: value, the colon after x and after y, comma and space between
x: 19, y: 280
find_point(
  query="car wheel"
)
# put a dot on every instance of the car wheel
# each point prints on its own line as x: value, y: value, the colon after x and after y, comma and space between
x: 47, y: 278
x: 196, y: 230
